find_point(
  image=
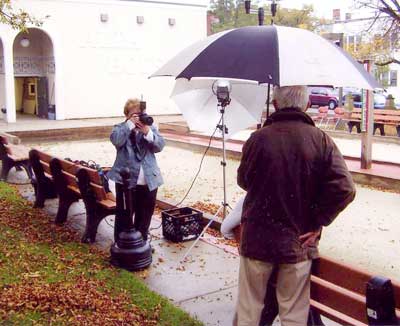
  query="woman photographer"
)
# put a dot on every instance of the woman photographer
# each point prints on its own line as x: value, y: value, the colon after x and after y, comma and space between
x: 136, y: 141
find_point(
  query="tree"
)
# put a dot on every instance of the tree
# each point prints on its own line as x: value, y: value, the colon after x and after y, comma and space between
x: 377, y: 50
x: 302, y: 18
x: 231, y: 14
x: 16, y: 18
x: 386, y: 20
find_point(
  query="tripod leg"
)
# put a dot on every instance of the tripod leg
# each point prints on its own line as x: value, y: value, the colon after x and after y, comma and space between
x: 201, y: 234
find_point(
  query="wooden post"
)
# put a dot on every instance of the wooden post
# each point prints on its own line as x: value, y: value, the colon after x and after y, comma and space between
x: 367, y: 126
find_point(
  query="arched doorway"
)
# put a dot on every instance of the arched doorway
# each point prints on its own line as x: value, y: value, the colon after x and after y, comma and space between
x: 34, y: 72
x: 2, y: 83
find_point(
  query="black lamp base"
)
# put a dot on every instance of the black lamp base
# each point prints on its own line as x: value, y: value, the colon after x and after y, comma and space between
x: 131, y: 252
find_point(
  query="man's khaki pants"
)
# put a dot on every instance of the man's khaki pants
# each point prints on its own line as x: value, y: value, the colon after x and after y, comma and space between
x: 293, y: 292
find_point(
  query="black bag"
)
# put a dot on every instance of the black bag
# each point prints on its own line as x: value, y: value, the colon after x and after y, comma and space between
x: 94, y: 166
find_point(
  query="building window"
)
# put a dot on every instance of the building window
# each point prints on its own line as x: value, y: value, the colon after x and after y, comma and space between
x: 385, y: 78
x: 393, y: 78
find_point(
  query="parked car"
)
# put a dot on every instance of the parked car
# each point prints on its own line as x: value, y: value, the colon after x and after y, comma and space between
x: 324, y: 97
x: 379, y: 100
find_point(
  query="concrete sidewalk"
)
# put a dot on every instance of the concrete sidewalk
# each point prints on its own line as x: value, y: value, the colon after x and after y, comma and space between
x: 205, y: 285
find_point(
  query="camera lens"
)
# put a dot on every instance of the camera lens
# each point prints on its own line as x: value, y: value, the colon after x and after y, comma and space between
x: 146, y: 119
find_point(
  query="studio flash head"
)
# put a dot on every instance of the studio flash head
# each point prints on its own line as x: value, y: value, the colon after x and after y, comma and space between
x: 222, y: 89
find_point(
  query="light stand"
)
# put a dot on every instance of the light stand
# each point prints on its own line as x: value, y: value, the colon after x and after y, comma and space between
x: 222, y: 91
x: 224, y: 130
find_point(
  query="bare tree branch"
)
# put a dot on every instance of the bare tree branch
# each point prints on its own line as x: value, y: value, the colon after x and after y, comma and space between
x: 396, y: 4
x: 385, y: 63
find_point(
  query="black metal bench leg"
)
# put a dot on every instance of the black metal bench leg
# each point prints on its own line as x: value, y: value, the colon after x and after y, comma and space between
x: 44, y: 189
x: 28, y: 170
x: 40, y: 197
x: 92, y: 223
x: 64, y: 205
x: 380, y: 127
x: 5, y: 169
x: 350, y: 125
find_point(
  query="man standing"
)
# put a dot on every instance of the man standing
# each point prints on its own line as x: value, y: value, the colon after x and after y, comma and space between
x: 296, y: 182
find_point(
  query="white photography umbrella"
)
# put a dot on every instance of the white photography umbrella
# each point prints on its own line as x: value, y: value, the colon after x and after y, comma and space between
x: 199, y: 105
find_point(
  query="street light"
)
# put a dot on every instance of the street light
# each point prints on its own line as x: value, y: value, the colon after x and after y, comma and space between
x: 247, y: 6
x: 260, y: 11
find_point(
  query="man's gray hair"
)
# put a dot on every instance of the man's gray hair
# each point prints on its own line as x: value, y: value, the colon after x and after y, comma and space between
x: 291, y: 97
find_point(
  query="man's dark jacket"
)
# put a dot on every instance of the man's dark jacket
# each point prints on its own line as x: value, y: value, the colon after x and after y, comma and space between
x: 296, y: 182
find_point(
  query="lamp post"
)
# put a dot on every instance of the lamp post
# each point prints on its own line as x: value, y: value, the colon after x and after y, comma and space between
x: 129, y: 251
x: 259, y: 12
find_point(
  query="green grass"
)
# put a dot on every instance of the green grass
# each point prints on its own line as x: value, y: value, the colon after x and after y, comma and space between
x: 36, y: 255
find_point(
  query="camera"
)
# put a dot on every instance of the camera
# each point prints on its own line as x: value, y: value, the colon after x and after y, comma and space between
x: 146, y: 119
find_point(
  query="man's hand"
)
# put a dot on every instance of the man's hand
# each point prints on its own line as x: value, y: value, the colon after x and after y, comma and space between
x: 310, y: 238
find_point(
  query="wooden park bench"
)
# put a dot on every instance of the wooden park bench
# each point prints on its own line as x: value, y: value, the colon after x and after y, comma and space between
x: 13, y: 156
x: 58, y: 177
x: 381, y: 118
x: 340, y: 293
x: 98, y: 203
x: 42, y: 182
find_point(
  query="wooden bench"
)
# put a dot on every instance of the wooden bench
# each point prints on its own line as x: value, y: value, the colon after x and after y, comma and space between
x: 98, y: 203
x: 73, y: 182
x: 66, y: 185
x: 56, y: 177
x: 13, y: 156
x: 42, y: 181
x: 381, y: 118
x: 339, y: 292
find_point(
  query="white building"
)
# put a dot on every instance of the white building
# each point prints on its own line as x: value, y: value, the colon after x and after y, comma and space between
x: 356, y: 31
x: 91, y: 55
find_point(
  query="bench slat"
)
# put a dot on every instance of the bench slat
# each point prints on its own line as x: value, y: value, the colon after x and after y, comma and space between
x: 70, y: 179
x: 74, y: 189
x: 99, y: 192
x: 109, y: 204
x: 44, y: 156
x: 354, y: 280
x: 339, y: 299
x: 3, y: 140
x: 351, y: 278
x: 16, y: 158
x: 18, y: 150
x: 46, y: 167
x: 94, y: 177
x: 69, y: 167
x: 335, y: 315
